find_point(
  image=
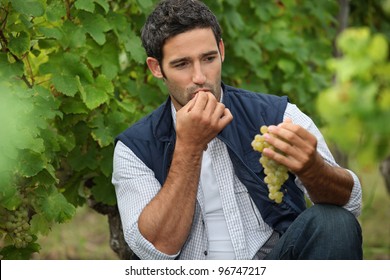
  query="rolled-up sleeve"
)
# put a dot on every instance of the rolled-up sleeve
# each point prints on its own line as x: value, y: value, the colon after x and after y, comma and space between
x: 135, y: 186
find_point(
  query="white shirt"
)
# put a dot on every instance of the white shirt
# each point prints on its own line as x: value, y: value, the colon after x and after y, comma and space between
x: 220, y: 243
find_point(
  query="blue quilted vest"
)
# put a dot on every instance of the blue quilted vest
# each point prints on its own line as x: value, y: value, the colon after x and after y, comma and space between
x: 152, y: 139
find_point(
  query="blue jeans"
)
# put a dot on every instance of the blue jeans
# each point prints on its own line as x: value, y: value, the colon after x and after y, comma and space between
x: 321, y: 232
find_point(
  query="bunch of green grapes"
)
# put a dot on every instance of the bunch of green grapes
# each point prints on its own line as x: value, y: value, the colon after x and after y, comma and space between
x: 276, y: 174
x: 16, y: 226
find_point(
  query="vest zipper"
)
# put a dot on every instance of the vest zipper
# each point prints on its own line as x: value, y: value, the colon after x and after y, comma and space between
x: 242, y: 162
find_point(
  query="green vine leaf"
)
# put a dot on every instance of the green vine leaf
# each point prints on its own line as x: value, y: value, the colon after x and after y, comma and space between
x: 73, y: 106
x: 8, y: 194
x: 53, y: 205
x: 73, y: 36
x: 134, y: 46
x: 145, y: 4
x: 98, y: 93
x: 102, y: 191
x: 105, y: 128
x: 95, y: 25
x: 86, y: 5
x: 66, y: 83
x: 9, y: 70
x: 29, y: 7
x: 11, y: 253
x: 39, y: 224
x: 56, y: 10
x: 30, y: 163
x: 83, y: 160
x: 19, y: 44
x: 105, y: 5
x: 107, y: 58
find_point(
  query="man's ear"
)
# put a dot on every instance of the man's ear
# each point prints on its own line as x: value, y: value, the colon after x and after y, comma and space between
x: 222, y: 50
x: 154, y: 67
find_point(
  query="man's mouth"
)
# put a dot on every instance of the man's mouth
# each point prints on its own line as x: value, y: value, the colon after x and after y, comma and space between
x: 195, y: 91
x: 202, y: 89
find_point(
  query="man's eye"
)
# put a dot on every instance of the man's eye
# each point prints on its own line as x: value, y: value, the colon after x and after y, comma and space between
x: 181, y: 65
x: 210, y: 58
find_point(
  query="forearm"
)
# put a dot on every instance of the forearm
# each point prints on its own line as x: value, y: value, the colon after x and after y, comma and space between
x: 326, y: 183
x: 166, y: 221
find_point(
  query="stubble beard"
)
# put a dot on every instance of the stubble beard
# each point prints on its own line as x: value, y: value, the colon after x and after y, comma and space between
x: 183, y: 98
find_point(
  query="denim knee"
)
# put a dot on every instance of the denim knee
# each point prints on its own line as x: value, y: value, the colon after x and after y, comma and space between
x: 330, y: 231
x: 326, y: 217
x: 321, y: 232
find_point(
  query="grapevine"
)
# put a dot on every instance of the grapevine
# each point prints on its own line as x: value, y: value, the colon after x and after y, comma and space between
x: 276, y: 174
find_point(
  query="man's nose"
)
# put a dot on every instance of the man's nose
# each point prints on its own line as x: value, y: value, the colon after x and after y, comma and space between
x: 198, y: 76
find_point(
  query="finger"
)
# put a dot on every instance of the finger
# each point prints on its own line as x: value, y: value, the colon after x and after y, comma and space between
x: 218, y: 114
x: 227, y: 115
x: 295, y: 129
x: 277, y: 156
x: 291, y: 143
x: 200, y: 102
x: 278, y: 143
x: 211, y: 104
x: 218, y: 111
x: 290, y: 162
x: 188, y: 107
x: 293, y: 134
x: 279, y: 132
x: 287, y: 120
x: 281, y: 151
x: 226, y: 118
x: 297, y: 146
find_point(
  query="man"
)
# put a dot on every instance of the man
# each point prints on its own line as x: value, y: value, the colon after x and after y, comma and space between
x: 189, y: 184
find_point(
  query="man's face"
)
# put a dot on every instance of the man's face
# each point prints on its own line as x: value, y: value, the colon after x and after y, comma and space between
x: 192, y: 62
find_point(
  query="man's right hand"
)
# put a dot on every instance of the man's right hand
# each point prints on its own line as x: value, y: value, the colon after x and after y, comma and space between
x: 200, y: 121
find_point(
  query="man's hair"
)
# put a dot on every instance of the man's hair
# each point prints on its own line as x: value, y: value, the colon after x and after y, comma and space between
x: 173, y: 17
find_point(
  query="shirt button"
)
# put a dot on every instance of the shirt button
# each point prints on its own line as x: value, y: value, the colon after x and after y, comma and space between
x: 205, y: 253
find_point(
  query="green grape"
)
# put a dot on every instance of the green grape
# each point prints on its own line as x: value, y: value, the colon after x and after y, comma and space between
x: 17, y: 226
x: 276, y: 174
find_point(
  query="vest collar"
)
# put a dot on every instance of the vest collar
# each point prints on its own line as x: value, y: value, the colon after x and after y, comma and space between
x: 163, y: 128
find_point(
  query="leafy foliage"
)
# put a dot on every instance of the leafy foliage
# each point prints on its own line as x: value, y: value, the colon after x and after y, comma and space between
x: 278, y: 47
x: 358, y: 104
x: 72, y: 76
